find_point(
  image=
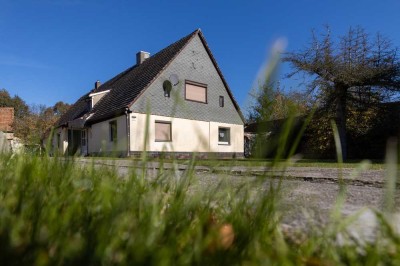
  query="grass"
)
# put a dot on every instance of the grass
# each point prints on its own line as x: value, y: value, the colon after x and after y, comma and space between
x: 57, y: 212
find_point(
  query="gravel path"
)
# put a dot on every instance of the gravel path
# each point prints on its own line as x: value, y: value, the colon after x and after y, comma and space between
x: 309, y: 193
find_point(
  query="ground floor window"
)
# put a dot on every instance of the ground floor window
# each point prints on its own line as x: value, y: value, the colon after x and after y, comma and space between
x: 113, y: 131
x: 83, y: 138
x: 224, y: 135
x: 59, y: 140
x: 163, y: 131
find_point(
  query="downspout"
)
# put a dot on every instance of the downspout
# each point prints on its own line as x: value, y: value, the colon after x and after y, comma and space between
x: 87, y: 141
x: 128, y: 131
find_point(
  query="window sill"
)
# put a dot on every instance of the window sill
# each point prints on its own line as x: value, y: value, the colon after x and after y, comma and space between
x: 224, y: 143
x: 189, y: 100
x: 163, y: 141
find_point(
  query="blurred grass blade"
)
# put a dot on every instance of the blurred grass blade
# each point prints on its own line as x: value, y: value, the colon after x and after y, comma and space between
x: 391, y: 175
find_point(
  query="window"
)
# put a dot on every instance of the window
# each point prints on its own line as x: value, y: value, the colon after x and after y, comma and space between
x: 224, y: 135
x: 113, y: 131
x: 163, y: 131
x: 59, y: 140
x: 196, y: 92
x: 83, y: 137
x: 221, y: 101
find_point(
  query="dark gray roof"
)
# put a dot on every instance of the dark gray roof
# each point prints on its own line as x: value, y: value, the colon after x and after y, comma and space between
x: 78, y: 109
x: 128, y: 85
x: 81, y: 106
x: 126, y: 88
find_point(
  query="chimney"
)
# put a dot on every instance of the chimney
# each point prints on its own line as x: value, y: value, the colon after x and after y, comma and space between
x: 141, y: 57
x: 97, y: 85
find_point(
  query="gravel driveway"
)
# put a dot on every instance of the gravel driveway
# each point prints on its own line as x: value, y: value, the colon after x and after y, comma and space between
x: 309, y: 193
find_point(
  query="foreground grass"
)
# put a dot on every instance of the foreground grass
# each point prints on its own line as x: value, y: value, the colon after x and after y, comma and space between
x: 55, y: 212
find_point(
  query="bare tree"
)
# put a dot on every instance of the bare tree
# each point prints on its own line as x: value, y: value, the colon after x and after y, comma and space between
x: 358, y: 69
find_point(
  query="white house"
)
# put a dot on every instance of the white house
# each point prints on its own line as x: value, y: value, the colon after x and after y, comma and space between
x: 175, y: 102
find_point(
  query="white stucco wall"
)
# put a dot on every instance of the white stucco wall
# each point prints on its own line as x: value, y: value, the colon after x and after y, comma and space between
x: 63, y: 140
x: 187, y: 135
x: 99, y: 137
x: 236, y: 138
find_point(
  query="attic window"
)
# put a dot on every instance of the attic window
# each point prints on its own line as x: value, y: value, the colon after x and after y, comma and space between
x: 221, y: 101
x: 196, y: 92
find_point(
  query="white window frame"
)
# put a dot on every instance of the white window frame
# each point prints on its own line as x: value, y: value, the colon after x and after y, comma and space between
x: 228, y: 130
x: 196, y: 84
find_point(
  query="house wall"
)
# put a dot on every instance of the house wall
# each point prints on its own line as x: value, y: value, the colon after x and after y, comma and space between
x: 63, y: 140
x: 187, y: 135
x: 6, y: 119
x: 194, y: 64
x: 99, y: 138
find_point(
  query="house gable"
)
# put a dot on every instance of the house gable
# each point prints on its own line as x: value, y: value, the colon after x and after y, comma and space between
x: 193, y: 64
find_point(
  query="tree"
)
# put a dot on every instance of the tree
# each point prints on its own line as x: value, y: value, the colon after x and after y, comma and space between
x: 272, y: 103
x: 356, y: 71
x: 32, y: 122
x: 5, y: 99
x: 274, y: 113
x: 44, y: 119
x: 21, y: 112
x: 21, y: 109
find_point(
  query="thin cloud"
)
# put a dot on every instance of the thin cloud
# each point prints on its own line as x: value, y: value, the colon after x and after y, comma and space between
x: 67, y: 2
x: 15, y: 61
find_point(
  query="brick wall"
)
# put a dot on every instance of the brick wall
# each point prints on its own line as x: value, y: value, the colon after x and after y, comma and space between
x: 6, y: 119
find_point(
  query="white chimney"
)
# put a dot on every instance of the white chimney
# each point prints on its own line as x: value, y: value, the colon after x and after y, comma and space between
x: 141, y: 57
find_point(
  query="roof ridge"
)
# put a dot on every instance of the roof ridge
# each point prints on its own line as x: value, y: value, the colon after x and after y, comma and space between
x: 174, y: 43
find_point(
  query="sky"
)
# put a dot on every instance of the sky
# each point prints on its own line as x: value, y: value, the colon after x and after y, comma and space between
x: 52, y: 50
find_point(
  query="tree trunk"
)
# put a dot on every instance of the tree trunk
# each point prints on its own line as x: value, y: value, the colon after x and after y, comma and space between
x: 341, y: 115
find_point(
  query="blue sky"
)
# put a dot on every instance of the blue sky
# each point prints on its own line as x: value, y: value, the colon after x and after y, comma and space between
x: 53, y: 50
